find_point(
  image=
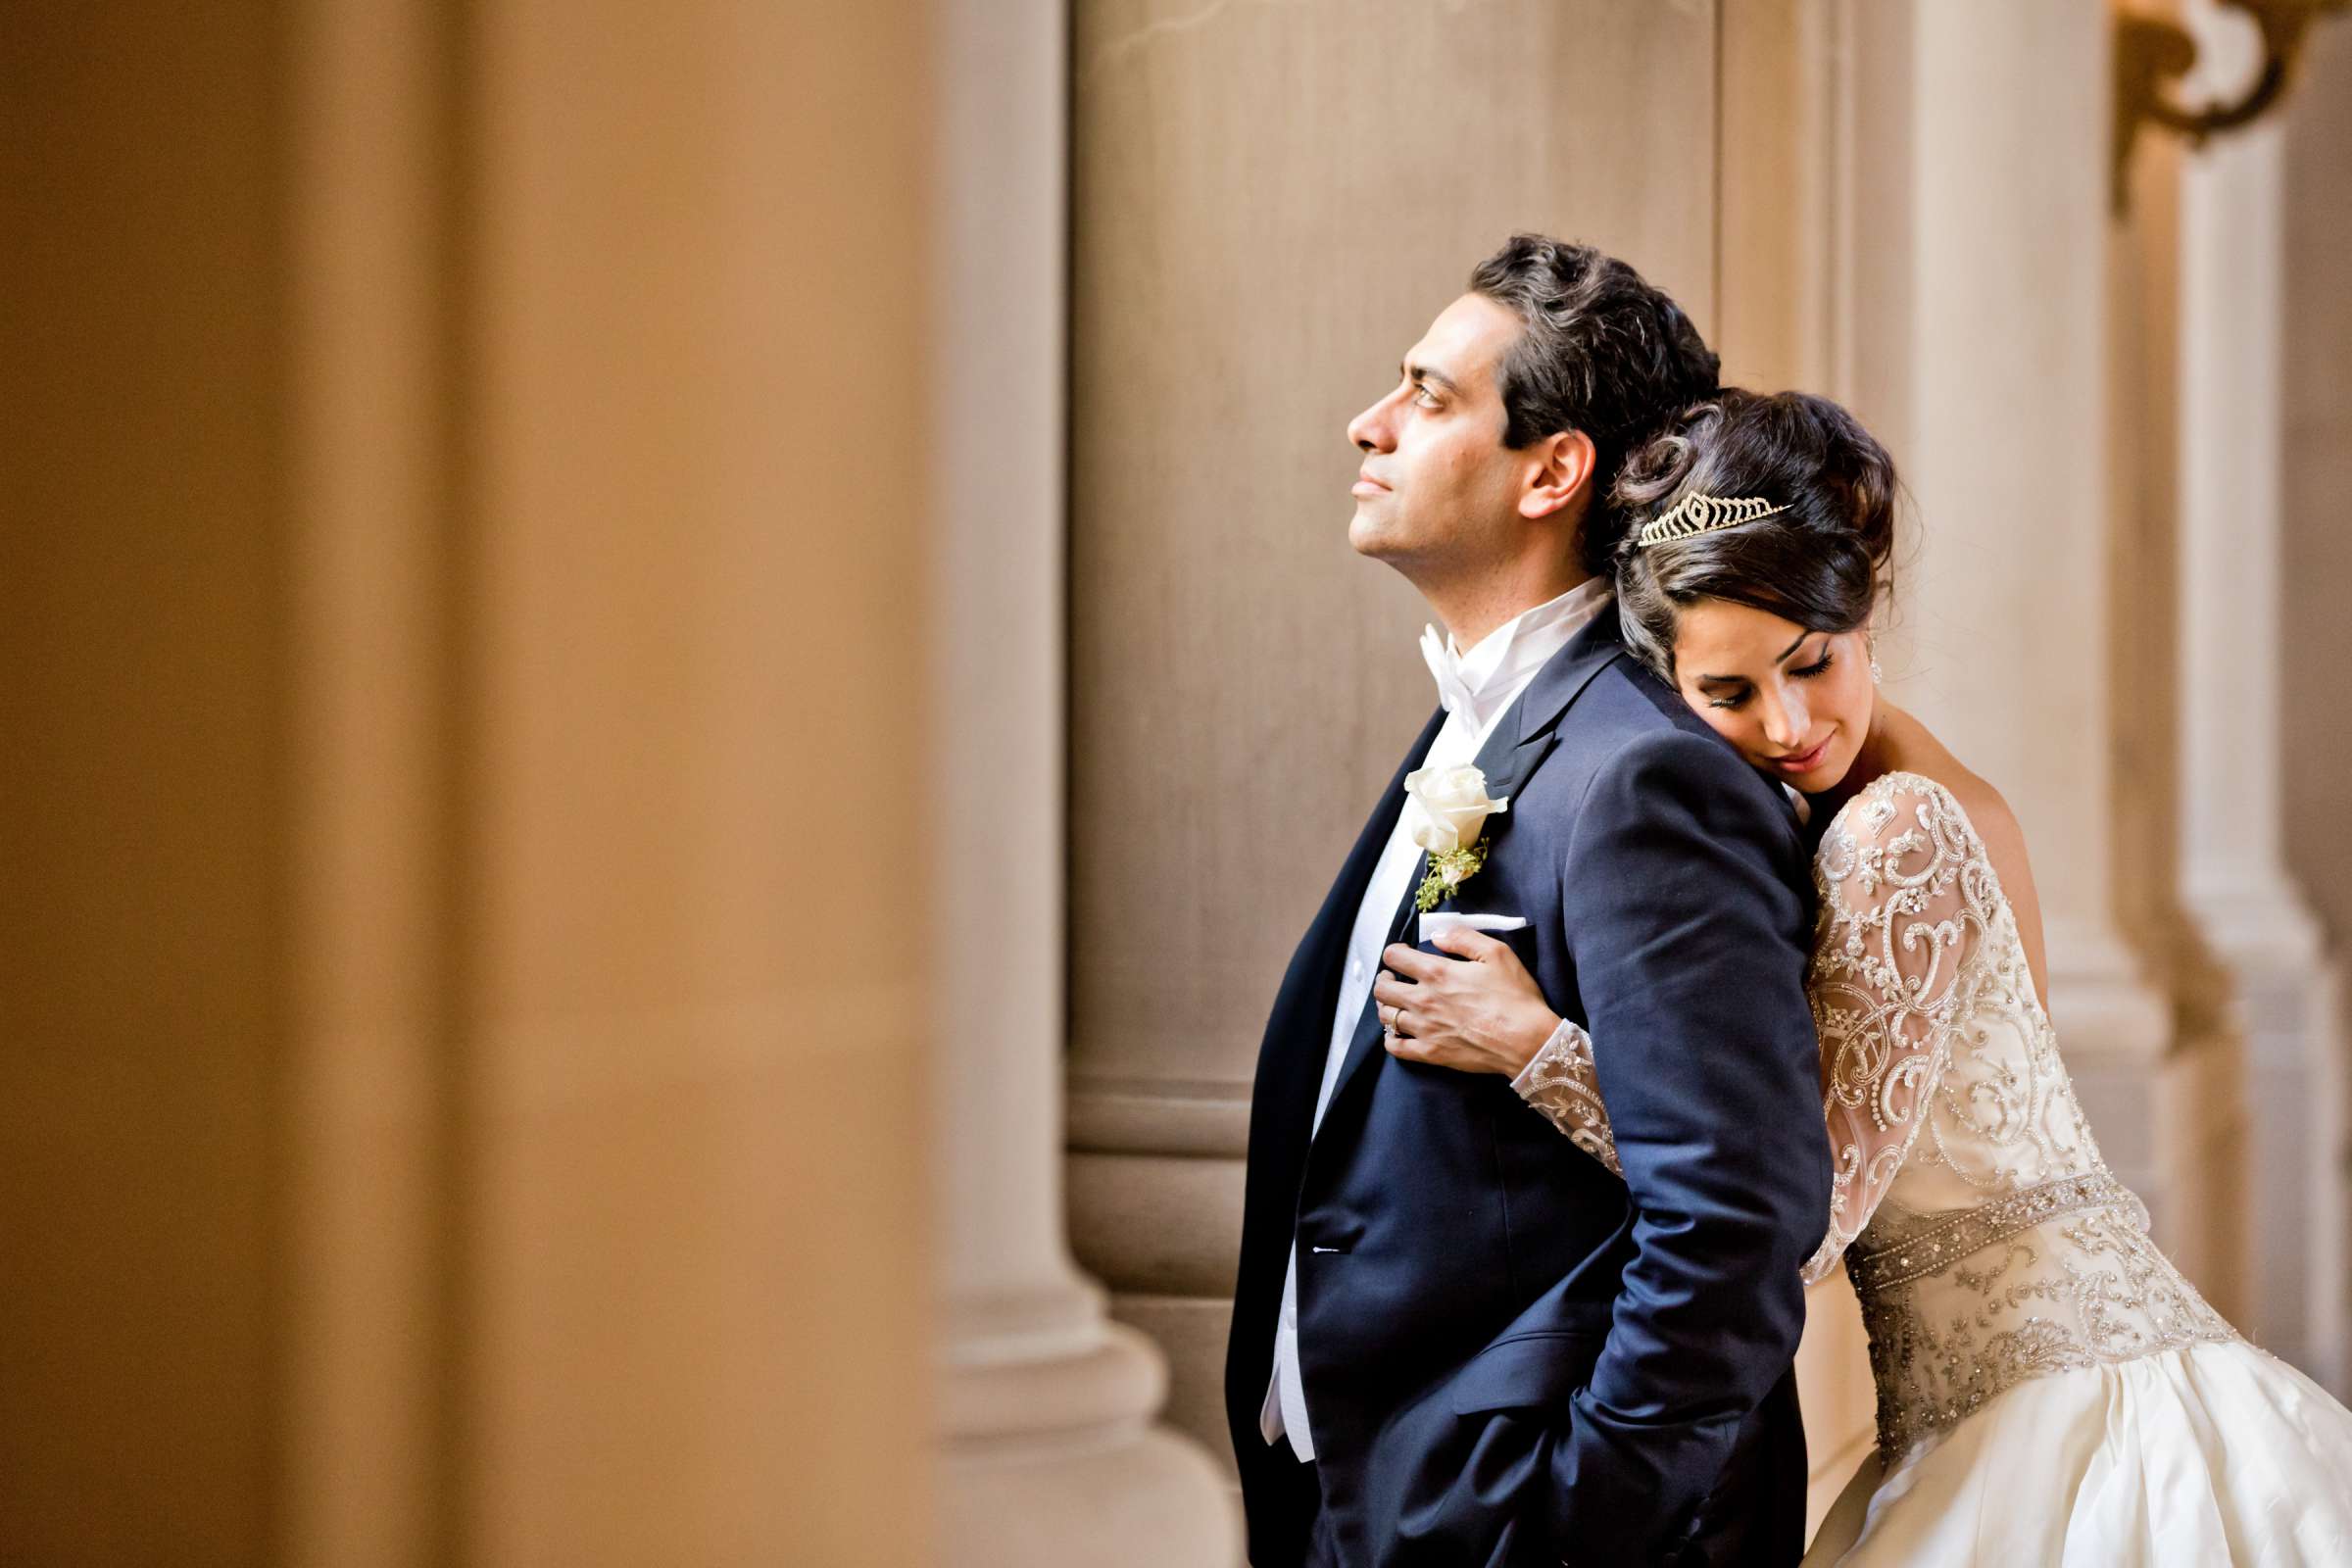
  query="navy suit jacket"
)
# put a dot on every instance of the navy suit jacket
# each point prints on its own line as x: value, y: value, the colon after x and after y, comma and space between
x: 1509, y: 1355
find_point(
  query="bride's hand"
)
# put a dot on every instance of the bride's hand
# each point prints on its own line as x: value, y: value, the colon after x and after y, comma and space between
x: 1486, y: 1014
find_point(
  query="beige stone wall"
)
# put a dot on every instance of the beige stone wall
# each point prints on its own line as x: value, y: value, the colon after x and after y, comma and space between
x: 1263, y: 225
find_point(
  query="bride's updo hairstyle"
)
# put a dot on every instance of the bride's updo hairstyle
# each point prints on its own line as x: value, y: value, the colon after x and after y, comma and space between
x: 1821, y: 562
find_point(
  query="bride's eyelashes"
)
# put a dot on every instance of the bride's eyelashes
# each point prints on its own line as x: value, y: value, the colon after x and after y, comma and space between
x: 1738, y: 698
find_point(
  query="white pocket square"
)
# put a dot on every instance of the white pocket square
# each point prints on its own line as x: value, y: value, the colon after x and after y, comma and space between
x: 1438, y: 922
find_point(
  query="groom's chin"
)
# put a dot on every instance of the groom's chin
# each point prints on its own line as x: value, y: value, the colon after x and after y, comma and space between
x: 1366, y: 536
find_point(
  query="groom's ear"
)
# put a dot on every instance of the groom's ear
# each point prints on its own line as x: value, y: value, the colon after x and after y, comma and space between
x: 1562, y: 473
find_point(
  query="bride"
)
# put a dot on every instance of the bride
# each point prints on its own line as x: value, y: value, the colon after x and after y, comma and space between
x: 2051, y: 1388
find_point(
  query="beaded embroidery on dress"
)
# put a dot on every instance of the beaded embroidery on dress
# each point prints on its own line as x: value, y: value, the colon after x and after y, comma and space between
x: 1982, y: 1231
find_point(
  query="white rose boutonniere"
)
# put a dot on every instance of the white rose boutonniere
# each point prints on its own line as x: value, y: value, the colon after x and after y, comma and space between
x: 1445, y: 809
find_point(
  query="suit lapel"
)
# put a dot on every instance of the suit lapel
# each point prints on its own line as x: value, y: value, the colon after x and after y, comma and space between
x: 1299, y: 1032
x: 1518, y: 745
x: 1557, y: 684
x: 1364, y: 1047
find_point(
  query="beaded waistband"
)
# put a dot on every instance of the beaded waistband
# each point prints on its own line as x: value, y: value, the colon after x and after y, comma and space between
x: 1946, y: 1241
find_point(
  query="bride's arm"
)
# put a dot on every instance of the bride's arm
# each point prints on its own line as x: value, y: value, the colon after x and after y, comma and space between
x: 1907, y: 892
x: 1563, y: 1082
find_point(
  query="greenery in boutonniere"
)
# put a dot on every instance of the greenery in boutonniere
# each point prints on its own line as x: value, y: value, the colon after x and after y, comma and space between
x: 1446, y: 872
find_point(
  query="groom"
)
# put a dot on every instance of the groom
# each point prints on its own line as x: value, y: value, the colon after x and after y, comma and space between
x: 1457, y: 1339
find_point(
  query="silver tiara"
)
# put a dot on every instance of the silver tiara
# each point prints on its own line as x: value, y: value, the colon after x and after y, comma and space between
x: 1704, y: 513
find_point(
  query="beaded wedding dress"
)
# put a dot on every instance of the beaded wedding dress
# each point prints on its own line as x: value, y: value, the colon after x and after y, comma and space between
x: 2051, y: 1391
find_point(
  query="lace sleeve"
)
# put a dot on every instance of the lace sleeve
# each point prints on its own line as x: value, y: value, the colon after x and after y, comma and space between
x: 1562, y: 1083
x: 1907, y: 896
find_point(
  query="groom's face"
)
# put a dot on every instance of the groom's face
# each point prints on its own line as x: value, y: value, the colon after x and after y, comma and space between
x: 1438, y: 490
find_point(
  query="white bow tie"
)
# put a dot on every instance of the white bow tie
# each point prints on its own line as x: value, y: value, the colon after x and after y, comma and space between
x: 1445, y: 666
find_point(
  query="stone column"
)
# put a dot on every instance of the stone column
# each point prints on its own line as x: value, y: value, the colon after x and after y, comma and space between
x: 1049, y: 1456
x: 2315, y: 631
x: 466, y: 1092
x: 1980, y: 352
x: 2235, y: 877
x: 684, y: 735
x: 147, y: 901
x: 371, y: 1475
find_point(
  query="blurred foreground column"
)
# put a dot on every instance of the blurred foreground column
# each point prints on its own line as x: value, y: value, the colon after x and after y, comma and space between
x: 680, y: 728
x: 465, y: 1082
x: 1049, y: 1456
x: 1981, y: 352
x: 2235, y: 874
x: 145, y: 901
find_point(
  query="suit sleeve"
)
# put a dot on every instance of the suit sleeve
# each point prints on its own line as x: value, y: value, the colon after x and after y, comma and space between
x: 1689, y: 934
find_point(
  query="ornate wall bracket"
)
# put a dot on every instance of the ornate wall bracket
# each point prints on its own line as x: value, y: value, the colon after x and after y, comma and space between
x: 2151, y: 53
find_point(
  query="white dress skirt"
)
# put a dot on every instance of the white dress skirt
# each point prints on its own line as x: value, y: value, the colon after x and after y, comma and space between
x: 2215, y: 1454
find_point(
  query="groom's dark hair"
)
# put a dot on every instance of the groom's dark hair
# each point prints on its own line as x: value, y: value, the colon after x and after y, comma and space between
x: 1600, y: 350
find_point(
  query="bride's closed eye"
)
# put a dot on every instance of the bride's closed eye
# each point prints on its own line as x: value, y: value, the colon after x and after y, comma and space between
x: 1738, y: 698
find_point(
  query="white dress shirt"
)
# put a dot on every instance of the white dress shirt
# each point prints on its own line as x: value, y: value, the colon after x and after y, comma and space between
x: 1477, y: 688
